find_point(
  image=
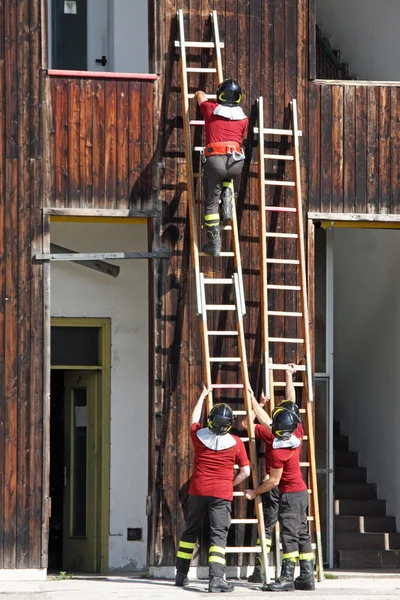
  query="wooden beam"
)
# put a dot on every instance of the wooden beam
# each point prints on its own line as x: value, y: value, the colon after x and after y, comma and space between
x: 96, y: 265
x: 95, y: 256
x: 338, y: 219
x: 100, y: 212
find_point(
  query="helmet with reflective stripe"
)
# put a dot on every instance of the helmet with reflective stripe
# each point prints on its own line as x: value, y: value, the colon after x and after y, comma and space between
x: 220, y: 419
x: 284, y: 422
x: 229, y: 93
x: 289, y: 405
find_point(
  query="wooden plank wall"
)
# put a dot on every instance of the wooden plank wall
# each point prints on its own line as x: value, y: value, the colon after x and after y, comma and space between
x: 354, y: 148
x: 102, y: 143
x: 267, y: 52
x: 21, y: 350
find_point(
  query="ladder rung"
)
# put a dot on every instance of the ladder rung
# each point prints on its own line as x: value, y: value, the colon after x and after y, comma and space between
x: 220, y: 307
x: 238, y: 494
x: 198, y: 44
x: 277, y: 367
x: 269, y: 131
x: 283, y: 261
x: 196, y: 122
x: 196, y: 175
x: 244, y: 521
x: 220, y: 254
x: 310, y: 518
x: 228, y: 386
x: 281, y: 313
x: 302, y: 410
x: 293, y: 236
x: 226, y: 359
x: 304, y: 464
x: 199, y: 148
x: 239, y: 413
x: 226, y: 227
x: 296, y: 384
x: 276, y: 182
x: 286, y: 340
x: 281, y: 209
x: 279, y: 156
x: 223, y: 333
x: 240, y: 549
x: 201, y: 70
x: 216, y: 280
x: 283, y: 287
x: 245, y: 439
x: 208, y: 96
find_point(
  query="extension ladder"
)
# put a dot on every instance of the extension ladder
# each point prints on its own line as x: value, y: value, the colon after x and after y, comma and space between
x: 203, y: 283
x: 280, y: 269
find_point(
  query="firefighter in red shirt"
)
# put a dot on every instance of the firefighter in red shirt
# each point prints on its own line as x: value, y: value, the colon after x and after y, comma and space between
x: 285, y: 432
x: 225, y: 128
x: 216, y: 452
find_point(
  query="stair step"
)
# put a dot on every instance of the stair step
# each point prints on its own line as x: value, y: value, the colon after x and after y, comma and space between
x: 368, y: 524
x: 346, y: 459
x: 360, y: 507
x: 367, y: 559
x: 355, y: 490
x: 350, y: 474
x: 341, y: 443
x: 359, y: 541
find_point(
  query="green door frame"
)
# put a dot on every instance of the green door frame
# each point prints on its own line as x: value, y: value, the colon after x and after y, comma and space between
x: 104, y: 369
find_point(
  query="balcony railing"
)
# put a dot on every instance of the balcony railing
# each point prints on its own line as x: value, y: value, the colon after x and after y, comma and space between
x: 101, y: 140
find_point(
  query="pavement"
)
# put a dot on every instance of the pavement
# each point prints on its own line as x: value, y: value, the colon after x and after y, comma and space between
x: 337, y: 586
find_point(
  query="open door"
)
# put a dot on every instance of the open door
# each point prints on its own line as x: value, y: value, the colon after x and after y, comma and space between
x: 81, y: 472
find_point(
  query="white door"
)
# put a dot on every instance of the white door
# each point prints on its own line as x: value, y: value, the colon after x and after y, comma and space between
x: 98, y: 51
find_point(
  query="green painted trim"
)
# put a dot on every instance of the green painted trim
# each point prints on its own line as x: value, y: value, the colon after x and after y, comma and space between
x: 104, y: 418
x: 76, y: 368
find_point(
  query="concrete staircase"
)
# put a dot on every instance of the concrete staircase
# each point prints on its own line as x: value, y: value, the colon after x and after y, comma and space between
x: 365, y: 538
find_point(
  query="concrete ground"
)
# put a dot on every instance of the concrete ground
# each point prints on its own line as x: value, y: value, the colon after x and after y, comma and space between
x: 345, y: 586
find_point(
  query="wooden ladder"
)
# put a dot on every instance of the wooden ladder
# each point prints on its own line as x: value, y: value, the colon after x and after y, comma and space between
x: 282, y: 230
x: 203, y: 283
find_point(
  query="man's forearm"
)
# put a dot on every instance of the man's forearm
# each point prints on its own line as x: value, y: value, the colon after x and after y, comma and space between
x: 260, y: 413
x: 266, y: 486
x: 290, y: 392
x: 241, y: 476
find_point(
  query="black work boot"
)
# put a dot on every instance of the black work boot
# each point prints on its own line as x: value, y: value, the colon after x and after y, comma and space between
x: 285, y: 582
x: 181, y: 579
x: 306, y: 580
x: 226, y: 205
x: 213, y: 244
x: 218, y: 584
x: 257, y: 575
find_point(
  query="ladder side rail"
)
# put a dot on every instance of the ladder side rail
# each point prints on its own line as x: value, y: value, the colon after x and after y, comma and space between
x: 263, y: 248
x: 205, y: 343
x: 250, y: 426
x: 189, y: 165
x: 277, y: 527
x: 217, y: 43
x: 301, y: 251
x: 313, y: 483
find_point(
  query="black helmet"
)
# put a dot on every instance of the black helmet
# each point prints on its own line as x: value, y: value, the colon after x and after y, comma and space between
x: 289, y: 405
x: 284, y: 422
x: 220, y: 419
x: 229, y: 93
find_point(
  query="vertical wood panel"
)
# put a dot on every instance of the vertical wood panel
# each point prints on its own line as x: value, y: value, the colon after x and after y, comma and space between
x: 326, y: 148
x: 122, y: 143
x: 384, y: 120
x: 147, y: 146
x: 11, y: 381
x: 372, y: 150
x: 337, y: 149
x: 395, y: 149
x: 110, y: 158
x: 361, y: 150
x: 86, y: 143
x: 99, y: 190
x: 73, y: 94
x: 11, y: 99
x: 61, y: 142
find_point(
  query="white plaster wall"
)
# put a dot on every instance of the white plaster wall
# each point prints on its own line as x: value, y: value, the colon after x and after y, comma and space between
x: 367, y: 34
x: 129, y: 47
x: 367, y: 353
x: 79, y: 292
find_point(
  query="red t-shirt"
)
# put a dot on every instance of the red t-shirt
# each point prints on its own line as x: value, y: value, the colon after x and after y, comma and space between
x: 219, y: 129
x: 213, y: 472
x: 284, y: 458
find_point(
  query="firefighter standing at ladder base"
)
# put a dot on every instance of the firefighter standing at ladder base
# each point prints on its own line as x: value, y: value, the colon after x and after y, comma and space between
x: 216, y: 452
x: 285, y: 433
x: 225, y: 128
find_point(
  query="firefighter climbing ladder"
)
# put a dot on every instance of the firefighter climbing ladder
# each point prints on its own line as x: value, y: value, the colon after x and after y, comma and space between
x: 203, y: 283
x: 268, y: 232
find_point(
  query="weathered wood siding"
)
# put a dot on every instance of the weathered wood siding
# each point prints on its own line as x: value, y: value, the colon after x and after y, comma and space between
x: 266, y: 50
x: 102, y: 142
x: 354, y: 145
x: 21, y: 331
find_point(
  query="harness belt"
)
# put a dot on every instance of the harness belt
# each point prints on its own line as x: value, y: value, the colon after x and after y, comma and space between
x: 222, y: 148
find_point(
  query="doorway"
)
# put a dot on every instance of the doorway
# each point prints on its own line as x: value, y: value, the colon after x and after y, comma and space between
x: 79, y: 445
x: 79, y: 32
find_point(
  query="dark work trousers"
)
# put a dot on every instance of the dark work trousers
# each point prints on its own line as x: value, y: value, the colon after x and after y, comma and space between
x: 293, y: 521
x: 271, y: 510
x: 216, y: 170
x: 219, y: 514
